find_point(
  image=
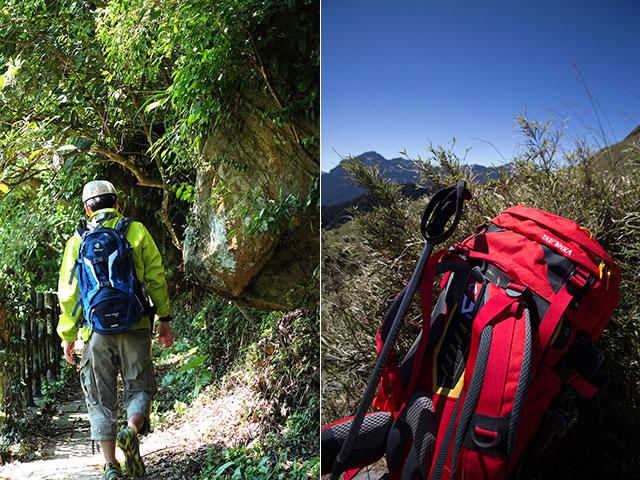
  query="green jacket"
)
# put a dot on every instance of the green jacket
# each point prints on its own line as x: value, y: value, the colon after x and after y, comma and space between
x: 148, y: 266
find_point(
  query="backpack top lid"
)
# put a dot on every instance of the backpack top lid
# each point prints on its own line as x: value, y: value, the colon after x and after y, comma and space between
x: 542, y: 251
x: 569, y: 239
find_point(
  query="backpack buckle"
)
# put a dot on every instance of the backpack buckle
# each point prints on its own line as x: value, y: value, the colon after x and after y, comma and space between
x: 488, y: 435
x: 515, y: 290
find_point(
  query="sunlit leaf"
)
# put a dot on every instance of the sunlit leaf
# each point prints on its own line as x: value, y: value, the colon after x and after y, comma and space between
x: 67, y: 148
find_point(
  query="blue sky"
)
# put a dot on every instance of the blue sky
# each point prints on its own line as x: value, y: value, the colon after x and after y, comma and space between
x: 402, y: 74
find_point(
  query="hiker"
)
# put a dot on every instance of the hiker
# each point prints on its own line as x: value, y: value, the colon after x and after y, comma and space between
x: 108, y: 266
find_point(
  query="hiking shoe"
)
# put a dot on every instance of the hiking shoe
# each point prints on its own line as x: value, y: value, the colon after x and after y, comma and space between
x: 127, y: 440
x: 111, y: 471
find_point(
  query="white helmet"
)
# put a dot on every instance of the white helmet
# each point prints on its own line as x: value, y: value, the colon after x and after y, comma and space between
x: 96, y: 188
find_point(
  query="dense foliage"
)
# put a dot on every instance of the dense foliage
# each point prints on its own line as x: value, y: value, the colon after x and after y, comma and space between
x: 372, y: 258
x: 129, y: 88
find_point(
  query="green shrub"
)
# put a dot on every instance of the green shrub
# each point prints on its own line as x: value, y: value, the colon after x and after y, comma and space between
x: 253, y: 462
x: 277, y: 456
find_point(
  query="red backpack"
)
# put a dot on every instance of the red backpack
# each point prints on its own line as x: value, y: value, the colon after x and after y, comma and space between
x: 507, y: 346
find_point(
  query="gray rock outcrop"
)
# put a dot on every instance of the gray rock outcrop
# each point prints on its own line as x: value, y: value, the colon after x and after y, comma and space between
x: 254, y: 234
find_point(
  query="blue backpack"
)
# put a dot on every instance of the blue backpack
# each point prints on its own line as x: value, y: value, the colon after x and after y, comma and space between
x: 111, y: 296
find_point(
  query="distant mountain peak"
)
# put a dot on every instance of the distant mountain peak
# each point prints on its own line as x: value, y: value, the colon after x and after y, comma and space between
x: 372, y: 155
x: 337, y: 186
x: 368, y: 158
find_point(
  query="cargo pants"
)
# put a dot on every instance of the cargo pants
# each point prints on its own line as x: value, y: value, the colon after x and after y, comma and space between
x: 128, y: 354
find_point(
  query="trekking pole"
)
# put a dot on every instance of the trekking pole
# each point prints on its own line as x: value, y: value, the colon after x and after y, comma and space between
x: 446, y: 203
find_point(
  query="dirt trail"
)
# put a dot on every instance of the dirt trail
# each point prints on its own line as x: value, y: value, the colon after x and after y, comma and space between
x: 68, y: 455
x: 174, y: 452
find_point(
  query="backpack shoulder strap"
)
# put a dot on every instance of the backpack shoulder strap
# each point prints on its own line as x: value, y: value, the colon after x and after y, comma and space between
x: 392, y: 391
x: 81, y: 229
x: 123, y: 225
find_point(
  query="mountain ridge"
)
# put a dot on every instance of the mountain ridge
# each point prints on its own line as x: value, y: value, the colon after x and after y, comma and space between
x: 337, y: 186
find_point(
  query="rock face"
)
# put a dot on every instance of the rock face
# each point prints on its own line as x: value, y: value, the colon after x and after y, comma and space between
x: 254, y: 234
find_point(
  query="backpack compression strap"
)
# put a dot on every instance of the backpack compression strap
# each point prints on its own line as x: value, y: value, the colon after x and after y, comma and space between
x: 121, y: 227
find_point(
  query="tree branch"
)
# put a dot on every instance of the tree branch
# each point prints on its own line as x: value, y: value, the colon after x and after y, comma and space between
x: 164, y: 210
x: 129, y: 165
x: 145, y: 181
x: 259, y: 66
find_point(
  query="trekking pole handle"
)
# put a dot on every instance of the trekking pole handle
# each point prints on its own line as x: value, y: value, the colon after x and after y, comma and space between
x: 446, y: 203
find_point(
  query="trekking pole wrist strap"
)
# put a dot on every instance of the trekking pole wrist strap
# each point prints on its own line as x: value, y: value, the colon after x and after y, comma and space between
x: 446, y: 203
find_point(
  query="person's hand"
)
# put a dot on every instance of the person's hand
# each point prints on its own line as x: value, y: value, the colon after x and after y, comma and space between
x: 165, y: 334
x: 68, y: 348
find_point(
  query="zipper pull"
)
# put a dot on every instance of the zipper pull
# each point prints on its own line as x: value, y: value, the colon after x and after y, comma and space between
x: 587, y: 231
x: 604, y: 272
